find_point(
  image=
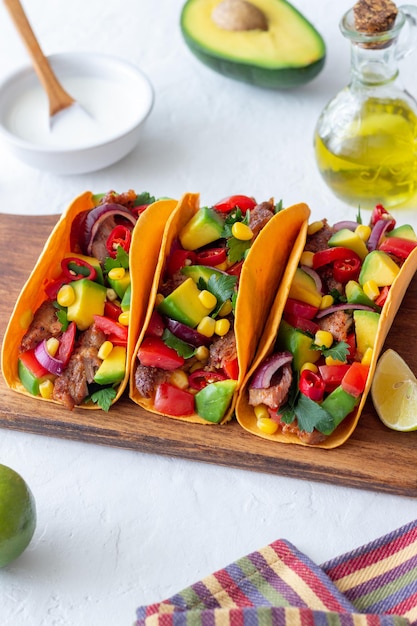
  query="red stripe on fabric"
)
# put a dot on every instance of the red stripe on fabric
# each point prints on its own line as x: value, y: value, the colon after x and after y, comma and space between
x: 402, y: 607
x: 368, y: 556
x: 236, y: 617
x: 315, y: 584
x: 230, y: 587
x: 165, y: 619
x: 306, y: 617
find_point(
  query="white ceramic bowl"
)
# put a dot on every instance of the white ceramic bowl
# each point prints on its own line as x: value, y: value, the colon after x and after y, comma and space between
x: 117, y: 96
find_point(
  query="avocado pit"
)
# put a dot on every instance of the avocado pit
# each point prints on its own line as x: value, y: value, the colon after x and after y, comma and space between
x: 239, y: 15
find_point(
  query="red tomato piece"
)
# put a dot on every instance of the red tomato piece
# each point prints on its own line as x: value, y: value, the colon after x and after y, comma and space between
x: 383, y: 295
x: 231, y: 369
x: 110, y: 327
x: 300, y: 309
x: 201, y: 378
x: 156, y: 325
x: 351, y: 341
x: 112, y: 310
x: 235, y: 270
x: 311, y: 385
x: 354, y: 381
x: 211, y: 256
x: 178, y: 258
x: 398, y: 246
x: 300, y: 322
x: 330, y: 255
x: 66, y: 344
x: 30, y: 361
x: 231, y: 202
x: 332, y: 375
x: 346, y: 269
x: 153, y: 352
x: 171, y: 400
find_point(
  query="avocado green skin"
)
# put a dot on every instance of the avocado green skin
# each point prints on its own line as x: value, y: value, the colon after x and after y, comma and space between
x: 274, y: 78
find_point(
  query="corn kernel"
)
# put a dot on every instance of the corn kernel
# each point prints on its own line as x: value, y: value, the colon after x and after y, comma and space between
x: 364, y: 231
x: 26, y: 319
x: 117, y: 273
x: 179, y: 379
x: 111, y: 294
x: 46, y: 388
x: 326, y: 301
x: 311, y: 367
x: 323, y: 338
x: 206, y: 326
x: 222, y: 266
x: 207, y: 299
x: 124, y: 318
x: 371, y: 289
x: 267, y: 425
x: 65, y: 295
x: 52, y: 345
x: 261, y: 411
x: 329, y: 360
x: 222, y: 327
x: 202, y: 353
x: 242, y: 231
x: 367, y: 357
x: 104, y: 350
x: 226, y: 308
x: 314, y: 227
x: 158, y: 299
x: 307, y: 258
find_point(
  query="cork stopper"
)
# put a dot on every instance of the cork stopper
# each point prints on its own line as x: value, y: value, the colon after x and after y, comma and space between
x: 374, y: 16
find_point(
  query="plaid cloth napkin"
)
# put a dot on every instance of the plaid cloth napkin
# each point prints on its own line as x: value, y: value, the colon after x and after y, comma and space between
x: 374, y: 585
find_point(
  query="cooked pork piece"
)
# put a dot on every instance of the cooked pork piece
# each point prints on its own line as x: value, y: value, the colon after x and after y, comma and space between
x: 260, y: 216
x: 147, y: 378
x: 318, y: 241
x: 221, y: 350
x: 277, y: 394
x: 45, y: 324
x: 338, y: 323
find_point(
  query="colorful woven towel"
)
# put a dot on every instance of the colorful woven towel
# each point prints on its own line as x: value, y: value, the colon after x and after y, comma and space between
x: 374, y: 585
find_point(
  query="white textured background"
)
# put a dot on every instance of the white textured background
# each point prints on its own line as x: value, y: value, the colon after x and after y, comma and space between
x: 116, y: 528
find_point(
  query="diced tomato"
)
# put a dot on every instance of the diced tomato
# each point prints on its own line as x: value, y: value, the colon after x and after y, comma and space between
x: 383, y: 295
x: 351, y: 341
x: 201, y: 378
x: 138, y: 210
x: 156, y: 325
x: 231, y: 369
x: 398, y: 246
x: 235, y: 270
x: 346, y: 269
x: 153, y: 352
x: 66, y: 343
x: 30, y: 361
x: 300, y: 309
x: 300, y: 322
x: 112, y: 310
x: 354, y: 381
x: 231, y: 202
x: 117, y: 341
x: 111, y: 327
x: 311, y: 385
x: 178, y: 258
x: 332, y: 375
x: 171, y: 400
x: 330, y: 255
x: 211, y: 256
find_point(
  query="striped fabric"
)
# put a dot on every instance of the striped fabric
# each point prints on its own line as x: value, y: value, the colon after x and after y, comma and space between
x: 277, y: 586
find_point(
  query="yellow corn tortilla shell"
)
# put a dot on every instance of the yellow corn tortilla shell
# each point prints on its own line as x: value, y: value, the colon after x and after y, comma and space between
x: 259, y: 279
x: 145, y: 246
x: 244, y: 411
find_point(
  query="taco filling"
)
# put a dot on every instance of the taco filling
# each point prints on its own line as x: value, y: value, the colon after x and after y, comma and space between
x: 318, y: 370
x: 74, y: 350
x: 187, y: 361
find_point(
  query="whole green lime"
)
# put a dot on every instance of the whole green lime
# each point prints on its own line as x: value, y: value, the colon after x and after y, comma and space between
x: 17, y: 515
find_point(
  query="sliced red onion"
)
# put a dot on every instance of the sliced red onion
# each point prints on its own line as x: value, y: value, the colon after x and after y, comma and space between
x: 53, y: 365
x: 349, y: 224
x: 264, y: 373
x: 94, y: 219
x: 314, y: 275
x: 343, y: 307
x: 378, y: 231
x: 184, y: 332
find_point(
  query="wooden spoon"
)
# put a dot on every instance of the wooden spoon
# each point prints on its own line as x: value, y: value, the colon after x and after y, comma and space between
x: 58, y: 98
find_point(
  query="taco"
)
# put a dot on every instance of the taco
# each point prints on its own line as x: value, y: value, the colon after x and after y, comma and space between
x: 310, y: 379
x: 215, y: 282
x: 70, y: 336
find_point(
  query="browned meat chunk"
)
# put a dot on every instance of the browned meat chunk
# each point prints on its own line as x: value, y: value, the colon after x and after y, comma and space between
x: 338, y: 323
x: 277, y: 394
x: 318, y: 241
x: 312, y: 438
x: 260, y: 216
x: 45, y: 324
x: 221, y: 350
x: 126, y: 199
x: 172, y: 283
x: 147, y: 378
x: 71, y: 388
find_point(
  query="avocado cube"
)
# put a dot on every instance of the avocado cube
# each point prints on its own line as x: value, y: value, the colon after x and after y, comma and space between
x: 366, y: 329
x: 184, y: 304
x: 120, y: 284
x: 338, y: 404
x: 405, y: 231
x: 200, y: 271
x: 349, y: 239
x: 356, y: 295
x: 304, y: 288
x: 113, y: 368
x: 125, y: 303
x: 89, y: 301
x: 298, y: 343
x: 213, y: 400
x: 204, y: 227
x: 380, y: 267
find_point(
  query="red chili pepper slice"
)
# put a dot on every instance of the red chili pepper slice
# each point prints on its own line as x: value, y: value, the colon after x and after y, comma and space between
x: 346, y: 269
x: 398, y: 246
x: 51, y: 288
x: 211, y: 257
x: 311, y: 385
x: 380, y: 213
x: 138, y: 210
x: 296, y: 321
x: 112, y: 310
x: 66, y: 344
x: 201, y: 378
x: 178, y: 258
x: 74, y: 268
x: 231, y: 202
x: 383, y: 295
x: 120, y: 236
x: 330, y: 255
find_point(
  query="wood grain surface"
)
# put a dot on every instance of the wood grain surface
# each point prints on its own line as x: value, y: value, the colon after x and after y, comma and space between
x: 375, y: 458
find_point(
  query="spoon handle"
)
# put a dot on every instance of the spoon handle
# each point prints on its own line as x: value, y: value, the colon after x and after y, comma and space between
x: 58, y: 98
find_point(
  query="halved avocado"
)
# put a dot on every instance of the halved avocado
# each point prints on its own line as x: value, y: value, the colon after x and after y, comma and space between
x: 289, y: 52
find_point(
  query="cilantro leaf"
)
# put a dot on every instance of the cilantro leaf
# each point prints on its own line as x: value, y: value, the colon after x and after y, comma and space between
x: 338, y: 351
x: 278, y: 207
x: 121, y: 260
x: 236, y: 248
x: 359, y: 216
x: 181, y: 347
x: 311, y: 415
x: 223, y: 287
x: 104, y: 397
x: 61, y: 315
x: 144, y: 198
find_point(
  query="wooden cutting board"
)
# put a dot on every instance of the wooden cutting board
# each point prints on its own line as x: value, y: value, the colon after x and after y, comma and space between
x: 374, y: 458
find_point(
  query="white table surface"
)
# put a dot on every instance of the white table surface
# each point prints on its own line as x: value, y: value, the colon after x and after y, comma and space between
x: 116, y: 528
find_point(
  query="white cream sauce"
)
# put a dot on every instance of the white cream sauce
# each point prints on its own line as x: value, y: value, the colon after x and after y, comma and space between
x: 108, y: 109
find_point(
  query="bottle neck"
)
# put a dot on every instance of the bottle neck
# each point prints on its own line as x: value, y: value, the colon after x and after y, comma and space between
x: 374, y: 66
